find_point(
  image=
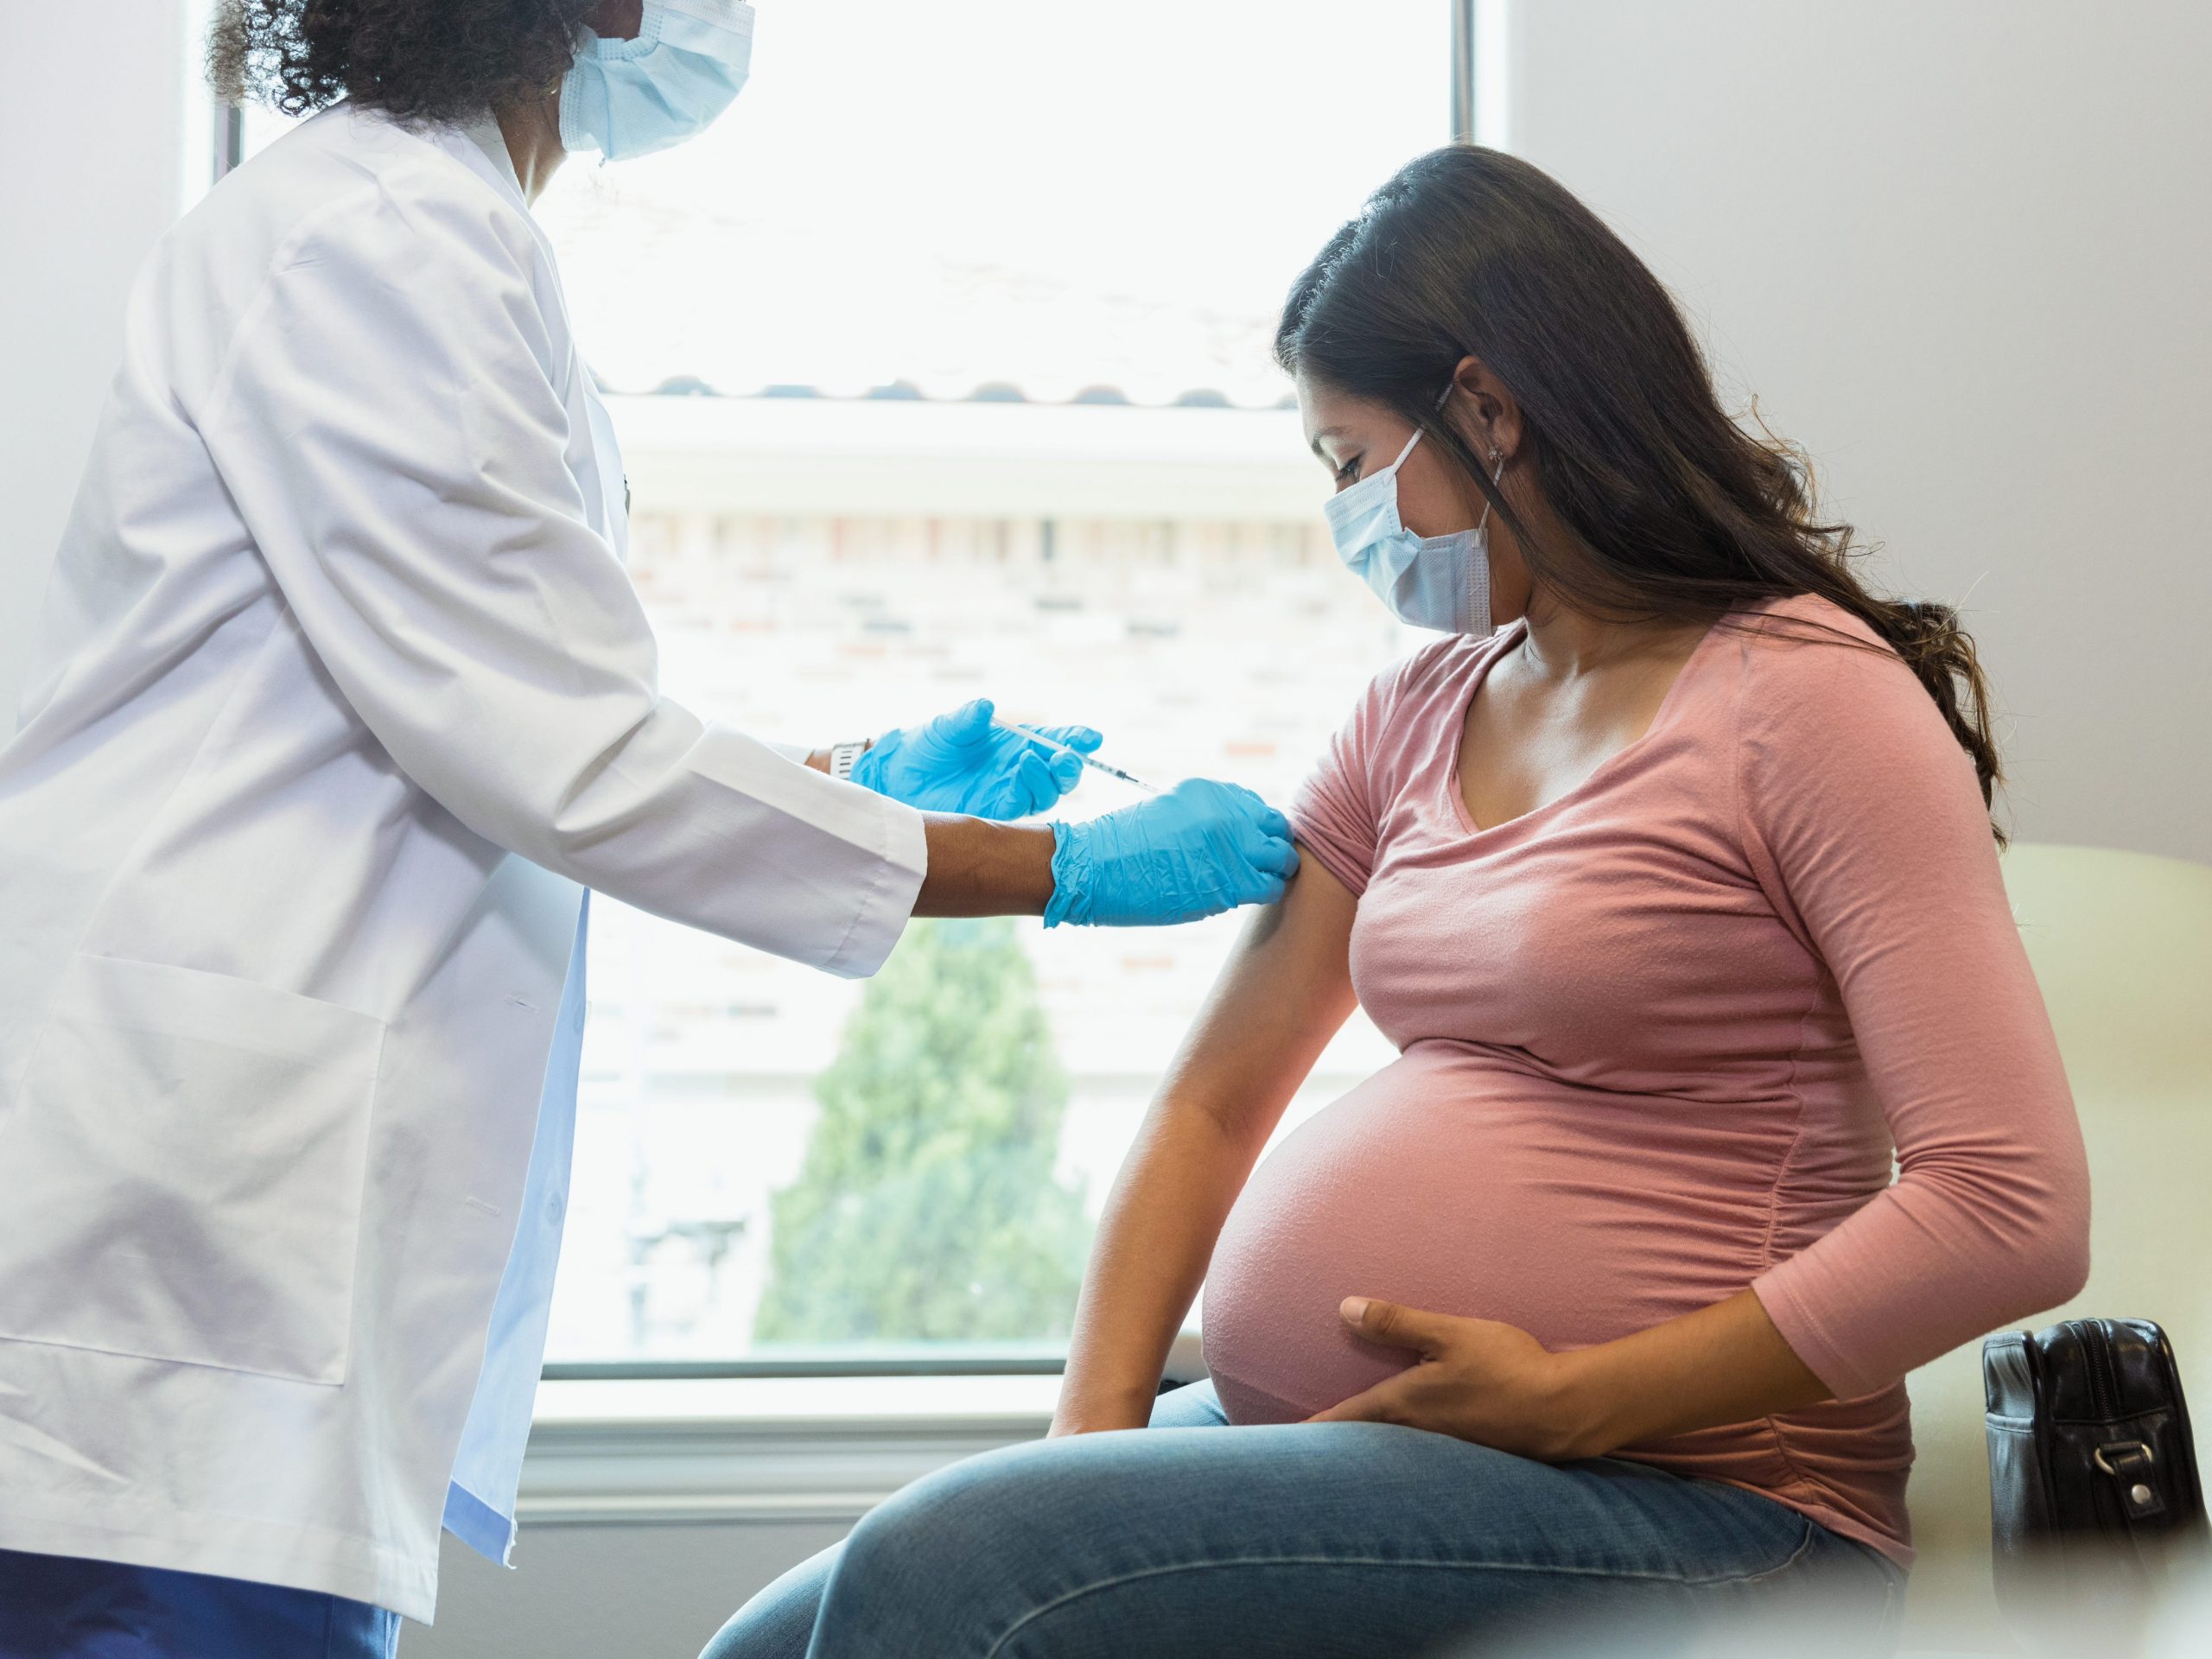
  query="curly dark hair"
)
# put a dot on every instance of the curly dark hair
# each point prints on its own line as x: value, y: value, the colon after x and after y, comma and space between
x: 420, y: 60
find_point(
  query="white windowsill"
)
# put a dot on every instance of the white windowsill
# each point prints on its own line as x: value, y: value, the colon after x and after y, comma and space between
x: 760, y: 1449
x: 778, y: 1404
x: 696, y: 1450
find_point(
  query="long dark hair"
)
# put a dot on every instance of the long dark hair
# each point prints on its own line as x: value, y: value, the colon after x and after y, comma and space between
x: 1676, y: 510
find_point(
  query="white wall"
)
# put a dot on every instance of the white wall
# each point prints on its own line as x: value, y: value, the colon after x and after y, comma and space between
x: 90, y: 131
x: 1962, y: 252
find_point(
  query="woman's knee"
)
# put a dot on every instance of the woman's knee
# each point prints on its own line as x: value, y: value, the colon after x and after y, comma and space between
x: 778, y: 1622
x: 950, y: 1532
x: 964, y: 1553
x: 973, y: 1512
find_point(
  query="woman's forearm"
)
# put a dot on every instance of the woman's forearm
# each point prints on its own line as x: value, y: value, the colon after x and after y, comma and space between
x: 981, y: 869
x: 976, y: 866
x: 1154, y: 1241
x: 1496, y: 1385
x: 1726, y: 1363
x: 1283, y: 992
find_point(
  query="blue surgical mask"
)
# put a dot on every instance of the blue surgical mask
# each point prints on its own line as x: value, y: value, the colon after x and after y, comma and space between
x: 632, y: 98
x: 1432, y: 582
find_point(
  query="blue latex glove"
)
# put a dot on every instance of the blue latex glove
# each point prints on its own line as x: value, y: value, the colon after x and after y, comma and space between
x: 962, y: 763
x: 1198, y: 849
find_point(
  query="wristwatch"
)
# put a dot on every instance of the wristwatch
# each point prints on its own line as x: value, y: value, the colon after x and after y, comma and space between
x: 842, y: 755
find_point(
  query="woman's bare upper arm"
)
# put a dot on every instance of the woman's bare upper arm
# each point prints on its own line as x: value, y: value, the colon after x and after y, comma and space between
x: 1284, y: 992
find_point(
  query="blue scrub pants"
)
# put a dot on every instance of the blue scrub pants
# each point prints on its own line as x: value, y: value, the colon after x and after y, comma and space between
x: 1191, y: 1539
x: 60, y: 1607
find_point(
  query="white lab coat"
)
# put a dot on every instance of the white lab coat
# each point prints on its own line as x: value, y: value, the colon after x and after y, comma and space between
x: 342, y: 698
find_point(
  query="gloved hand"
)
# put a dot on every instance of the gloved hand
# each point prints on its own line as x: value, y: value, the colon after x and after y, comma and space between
x: 1198, y: 849
x: 960, y: 762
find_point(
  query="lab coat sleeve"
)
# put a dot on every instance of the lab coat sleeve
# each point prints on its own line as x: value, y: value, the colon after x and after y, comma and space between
x: 391, y: 426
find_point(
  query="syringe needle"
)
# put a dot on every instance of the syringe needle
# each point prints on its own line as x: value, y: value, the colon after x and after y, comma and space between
x: 1087, y: 760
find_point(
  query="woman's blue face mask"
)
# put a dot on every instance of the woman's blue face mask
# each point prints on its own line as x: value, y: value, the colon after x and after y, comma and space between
x: 632, y: 98
x: 1432, y: 582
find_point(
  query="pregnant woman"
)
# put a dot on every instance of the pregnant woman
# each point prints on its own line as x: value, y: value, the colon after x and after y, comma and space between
x: 1679, y: 895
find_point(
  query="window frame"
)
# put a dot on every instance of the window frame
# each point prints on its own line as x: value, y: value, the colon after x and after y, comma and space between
x: 1475, y: 114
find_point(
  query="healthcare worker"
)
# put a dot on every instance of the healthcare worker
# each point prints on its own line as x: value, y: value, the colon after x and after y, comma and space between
x: 342, y: 702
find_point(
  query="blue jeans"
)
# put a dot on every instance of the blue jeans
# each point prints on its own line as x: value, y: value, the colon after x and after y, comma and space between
x: 1323, y: 1540
x: 62, y: 1607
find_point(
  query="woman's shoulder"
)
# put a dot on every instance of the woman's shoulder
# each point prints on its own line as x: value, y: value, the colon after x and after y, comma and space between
x: 1805, y: 657
x: 1807, y: 616
x: 1396, y: 716
x: 358, y: 188
x: 1822, y: 695
x: 1434, y: 673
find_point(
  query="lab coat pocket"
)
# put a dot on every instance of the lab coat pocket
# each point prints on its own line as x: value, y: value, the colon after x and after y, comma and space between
x: 187, y: 1154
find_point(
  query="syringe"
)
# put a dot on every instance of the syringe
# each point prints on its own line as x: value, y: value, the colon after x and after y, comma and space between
x: 1087, y: 760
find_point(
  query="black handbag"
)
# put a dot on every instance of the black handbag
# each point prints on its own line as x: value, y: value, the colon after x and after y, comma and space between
x: 2093, y: 1491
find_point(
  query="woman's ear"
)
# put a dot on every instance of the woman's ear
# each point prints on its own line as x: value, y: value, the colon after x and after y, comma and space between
x: 1486, y: 413
x: 616, y: 20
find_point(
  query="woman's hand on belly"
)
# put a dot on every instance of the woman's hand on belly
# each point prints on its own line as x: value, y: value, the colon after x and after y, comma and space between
x: 1496, y: 1385
x: 1473, y: 1379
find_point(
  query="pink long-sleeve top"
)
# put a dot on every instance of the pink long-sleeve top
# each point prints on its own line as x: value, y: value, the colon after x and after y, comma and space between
x: 1659, y: 1040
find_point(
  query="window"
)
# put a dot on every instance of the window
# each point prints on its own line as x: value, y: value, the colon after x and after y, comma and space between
x: 986, y: 292
x: 941, y: 368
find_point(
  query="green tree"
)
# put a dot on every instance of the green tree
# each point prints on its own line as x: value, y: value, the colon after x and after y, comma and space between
x: 926, y: 1209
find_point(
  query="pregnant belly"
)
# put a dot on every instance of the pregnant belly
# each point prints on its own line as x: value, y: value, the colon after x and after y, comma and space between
x: 1451, y: 1183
